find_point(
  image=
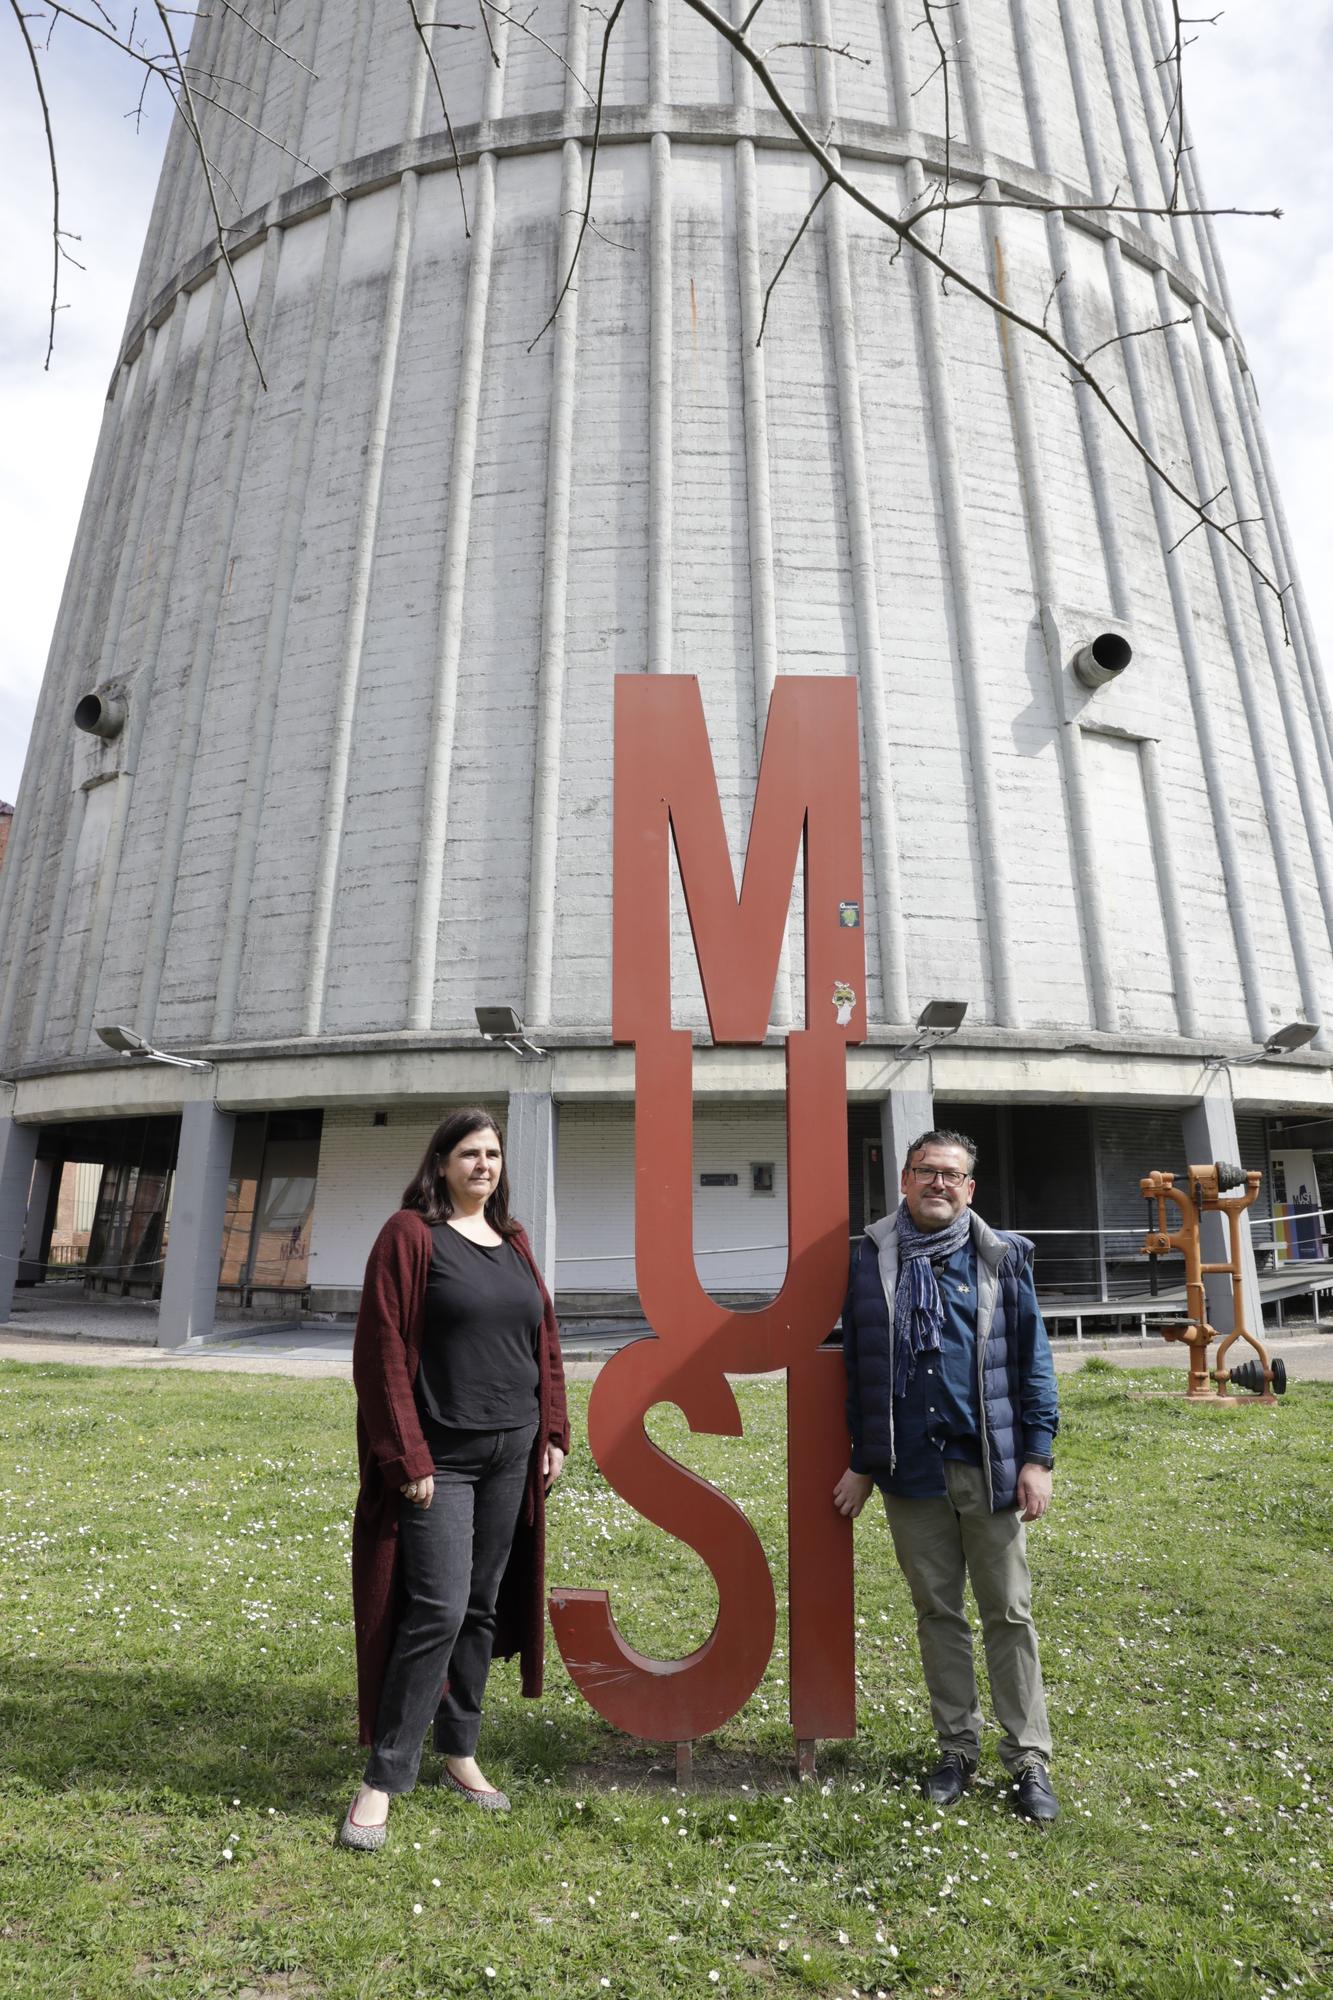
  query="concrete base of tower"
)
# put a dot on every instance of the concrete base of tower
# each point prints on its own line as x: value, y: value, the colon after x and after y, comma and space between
x: 907, y: 1110
x: 18, y: 1157
x: 280, y: 1188
x: 198, y: 1210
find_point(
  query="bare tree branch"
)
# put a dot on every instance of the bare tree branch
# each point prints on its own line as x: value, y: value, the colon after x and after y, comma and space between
x: 486, y: 30
x: 1175, y: 111
x: 1135, y: 333
x: 846, y: 50
x: 167, y: 74
x: 229, y: 112
x: 809, y: 217
x: 255, y: 29
x: 21, y: 18
x: 524, y: 28
x: 420, y: 27
x: 942, y: 71
x: 585, y: 224
x: 601, y: 234
x: 974, y: 287
x: 1203, y: 523
x: 1173, y: 61
x: 1038, y: 207
x: 185, y: 104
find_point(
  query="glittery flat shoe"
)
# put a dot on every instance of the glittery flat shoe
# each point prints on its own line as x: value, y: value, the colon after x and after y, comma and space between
x: 488, y: 1801
x: 362, y: 1839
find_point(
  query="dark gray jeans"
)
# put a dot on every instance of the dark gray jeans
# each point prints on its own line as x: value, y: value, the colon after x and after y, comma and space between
x: 451, y: 1557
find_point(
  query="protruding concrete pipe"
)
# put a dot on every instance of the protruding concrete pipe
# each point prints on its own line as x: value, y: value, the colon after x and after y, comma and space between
x: 102, y: 714
x: 1103, y: 659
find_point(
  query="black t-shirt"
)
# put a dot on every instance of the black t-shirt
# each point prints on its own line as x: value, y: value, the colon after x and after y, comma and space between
x: 479, y: 1355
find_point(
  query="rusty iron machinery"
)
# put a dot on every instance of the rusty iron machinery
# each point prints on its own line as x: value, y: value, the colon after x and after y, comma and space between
x: 1208, y: 1190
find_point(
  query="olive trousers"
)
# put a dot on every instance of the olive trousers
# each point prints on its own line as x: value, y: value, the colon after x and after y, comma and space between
x: 940, y: 1545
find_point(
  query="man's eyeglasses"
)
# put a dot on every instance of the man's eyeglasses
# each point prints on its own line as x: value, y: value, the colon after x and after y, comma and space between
x: 949, y: 1175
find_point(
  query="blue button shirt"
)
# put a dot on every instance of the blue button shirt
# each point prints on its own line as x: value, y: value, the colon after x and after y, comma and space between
x: 942, y: 1405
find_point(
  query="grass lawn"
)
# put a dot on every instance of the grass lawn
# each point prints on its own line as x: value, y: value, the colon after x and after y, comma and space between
x: 177, y: 1733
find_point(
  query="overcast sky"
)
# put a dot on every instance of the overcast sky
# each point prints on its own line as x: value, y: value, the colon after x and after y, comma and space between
x: 1257, y: 94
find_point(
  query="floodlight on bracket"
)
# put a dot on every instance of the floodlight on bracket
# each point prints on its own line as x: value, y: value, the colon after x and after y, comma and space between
x: 937, y: 1019
x: 126, y: 1043
x: 501, y: 1024
x: 1282, y: 1042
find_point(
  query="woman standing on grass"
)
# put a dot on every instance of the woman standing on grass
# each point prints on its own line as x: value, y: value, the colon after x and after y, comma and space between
x: 461, y: 1429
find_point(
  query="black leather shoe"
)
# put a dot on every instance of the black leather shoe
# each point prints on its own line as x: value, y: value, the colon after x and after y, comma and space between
x: 945, y: 1785
x: 1033, y: 1795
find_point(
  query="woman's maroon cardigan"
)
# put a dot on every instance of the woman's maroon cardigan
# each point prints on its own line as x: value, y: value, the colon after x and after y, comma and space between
x: 392, y: 1451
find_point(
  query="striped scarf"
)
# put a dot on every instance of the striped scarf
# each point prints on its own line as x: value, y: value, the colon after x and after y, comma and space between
x: 918, y: 1311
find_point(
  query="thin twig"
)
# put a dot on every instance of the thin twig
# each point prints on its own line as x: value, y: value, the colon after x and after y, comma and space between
x: 612, y: 18
x: 439, y: 86
x: 809, y: 217
x: 1176, y: 108
x: 299, y: 158
x: 1203, y: 522
x: 21, y: 18
x: 834, y: 172
x: 1136, y: 333
x: 1037, y: 207
x: 601, y: 234
x: 171, y: 85
x: 514, y: 22
x: 827, y: 47
x: 486, y: 30
x: 1174, y: 59
x: 185, y: 104
x: 137, y: 113
x: 943, y: 69
x: 255, y: 29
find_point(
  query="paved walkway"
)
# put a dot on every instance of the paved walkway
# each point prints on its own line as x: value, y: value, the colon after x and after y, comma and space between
x: 122, y: 1333
x: 51, y: 1323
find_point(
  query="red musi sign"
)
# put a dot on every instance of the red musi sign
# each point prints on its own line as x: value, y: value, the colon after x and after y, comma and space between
x: 808, y: 793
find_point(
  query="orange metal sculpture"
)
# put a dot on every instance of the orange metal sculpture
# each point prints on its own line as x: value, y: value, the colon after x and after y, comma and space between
x: 808, y: 794
x: 1206, y: 1193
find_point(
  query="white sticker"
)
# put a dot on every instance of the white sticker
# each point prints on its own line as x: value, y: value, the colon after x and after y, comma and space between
x: 844, y: 999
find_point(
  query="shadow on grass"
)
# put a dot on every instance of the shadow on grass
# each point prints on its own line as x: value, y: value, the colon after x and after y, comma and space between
x: 197, y: 1737
x: 146, y: 1729
x: 159, y: 1729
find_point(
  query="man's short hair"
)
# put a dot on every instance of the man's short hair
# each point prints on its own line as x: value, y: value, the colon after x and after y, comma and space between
x: 969, y: 1146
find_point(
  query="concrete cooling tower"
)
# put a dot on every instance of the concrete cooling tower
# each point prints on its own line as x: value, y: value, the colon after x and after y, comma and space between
x: 322, y: 761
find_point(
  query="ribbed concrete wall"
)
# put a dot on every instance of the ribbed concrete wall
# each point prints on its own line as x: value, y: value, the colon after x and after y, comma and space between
x: 367, y: 620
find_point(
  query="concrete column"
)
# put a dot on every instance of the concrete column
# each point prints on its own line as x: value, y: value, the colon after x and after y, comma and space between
x: 530, y: 1158
x: 907, y: 1111
x: 1209, y: 1131
x: 198, y: 1209
x: 18, y: 1156
x: 30, y: 1269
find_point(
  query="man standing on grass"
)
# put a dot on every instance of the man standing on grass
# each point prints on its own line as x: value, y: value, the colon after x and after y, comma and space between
x: 952, y: 1408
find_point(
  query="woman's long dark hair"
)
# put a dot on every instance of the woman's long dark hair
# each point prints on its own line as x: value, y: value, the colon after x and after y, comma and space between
x: 427, y: 1191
